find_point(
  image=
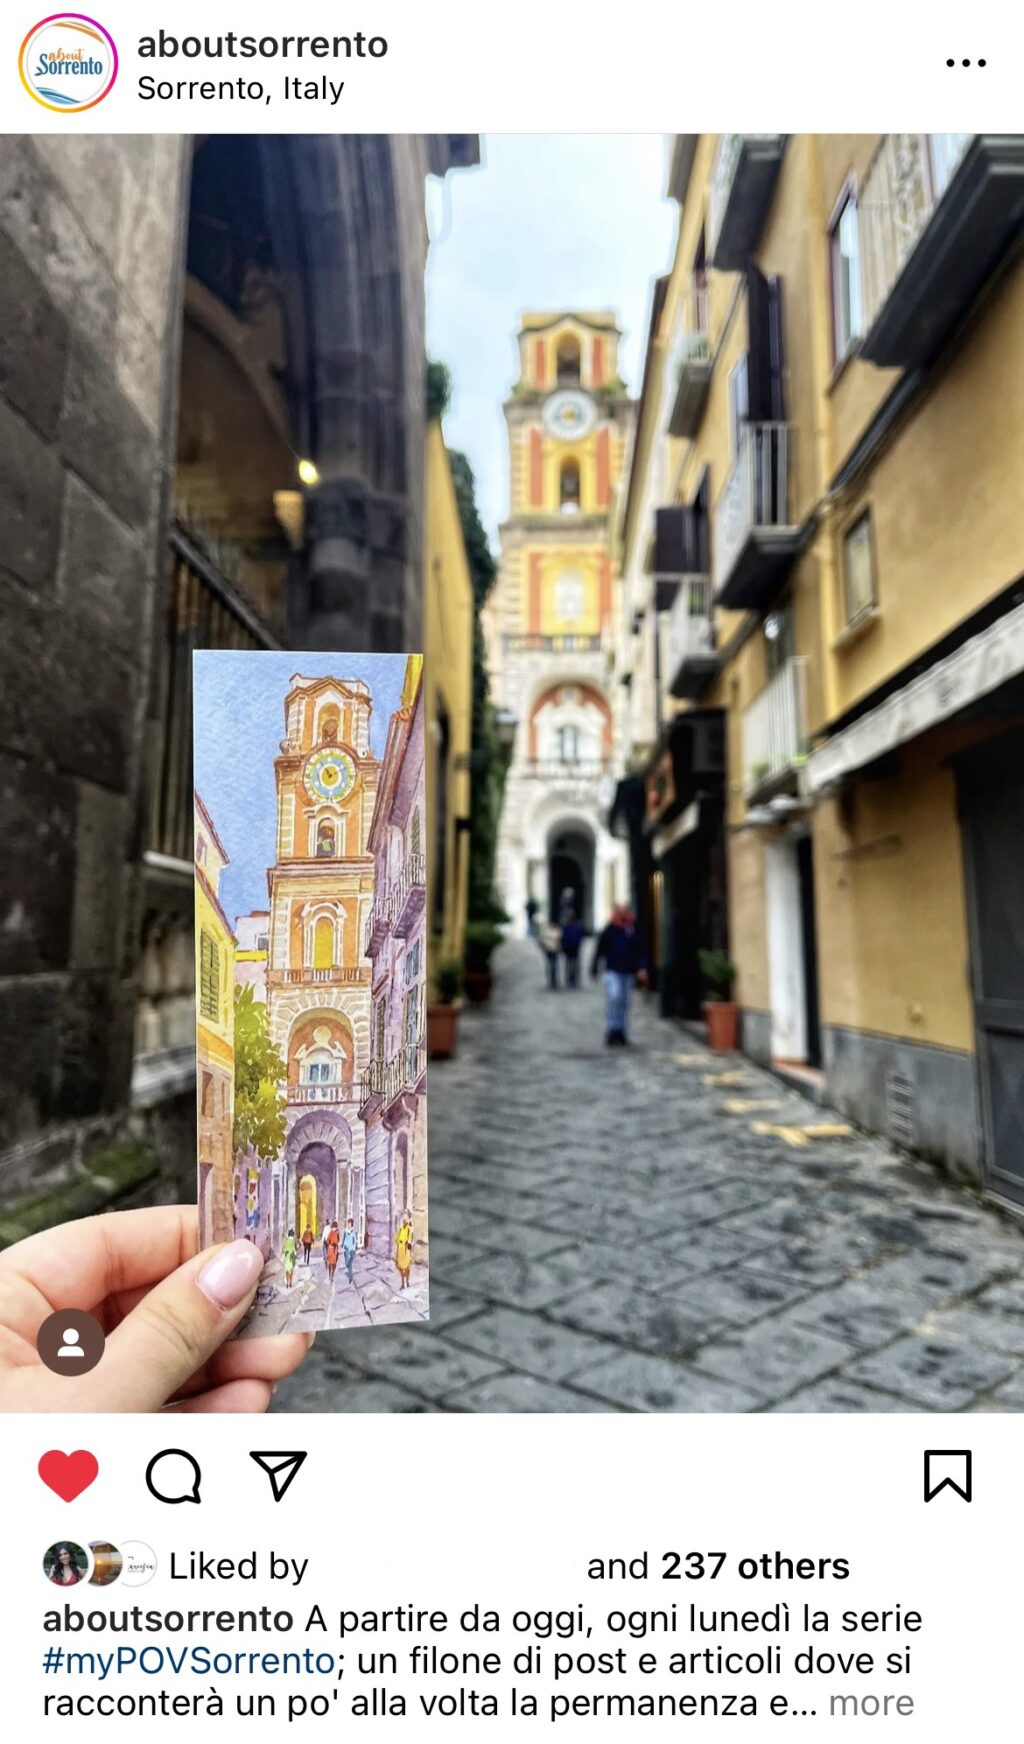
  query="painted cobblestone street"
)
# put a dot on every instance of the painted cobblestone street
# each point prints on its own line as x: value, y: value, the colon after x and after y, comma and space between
x: 662, y: 1229
x: 374, y: 1297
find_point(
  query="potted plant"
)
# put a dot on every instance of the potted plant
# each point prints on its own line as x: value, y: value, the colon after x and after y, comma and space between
x: 482, y: 937
x: 723, y: 1016
x: 443, y: 1012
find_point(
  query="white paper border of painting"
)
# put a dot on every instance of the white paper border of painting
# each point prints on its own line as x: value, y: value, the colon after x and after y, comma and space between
x: 335, y: 1137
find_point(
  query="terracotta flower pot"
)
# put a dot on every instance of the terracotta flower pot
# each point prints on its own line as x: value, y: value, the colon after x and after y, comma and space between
x: 442, y: 1028
x: 477, y: 984
x: 723, y: 1017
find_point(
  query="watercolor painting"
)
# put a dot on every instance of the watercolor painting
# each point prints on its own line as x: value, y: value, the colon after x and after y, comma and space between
x: 310, y: 884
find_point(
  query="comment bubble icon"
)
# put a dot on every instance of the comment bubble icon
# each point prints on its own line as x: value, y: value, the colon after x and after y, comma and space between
x: 174, y: 1476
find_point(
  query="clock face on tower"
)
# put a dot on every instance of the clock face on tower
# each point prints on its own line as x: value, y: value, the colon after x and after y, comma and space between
x: 329, y: 774
x: 569, y: 414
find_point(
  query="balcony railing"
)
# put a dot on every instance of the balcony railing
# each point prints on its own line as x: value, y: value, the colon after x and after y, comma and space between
x: 775, y: 731
x: 408, y: 895
x: 304, y: 1093
x: 755, y: 542
x: 691, y: 637
x: 532, y: 644
x: 742, y: 183
x: 936, y: 214
x: 565, y: 768
x: 336, y: 977
x: 691, y: 366
x: 376, y: 923
x: 385, y: 1080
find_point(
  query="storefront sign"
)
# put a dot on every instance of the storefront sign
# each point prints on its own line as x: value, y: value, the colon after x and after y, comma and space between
x: 661, y: 787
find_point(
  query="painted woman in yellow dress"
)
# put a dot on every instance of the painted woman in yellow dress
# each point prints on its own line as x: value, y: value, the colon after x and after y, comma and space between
x: 403, y: 1248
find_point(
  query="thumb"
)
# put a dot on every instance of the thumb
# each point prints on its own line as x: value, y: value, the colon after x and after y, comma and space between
x: 176, y: 1328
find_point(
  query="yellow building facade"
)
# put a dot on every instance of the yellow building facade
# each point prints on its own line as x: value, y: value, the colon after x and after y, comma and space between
x: 447, y: 706
x: 569, y: 420
x: 835, y: 415
x: 215, y: 1032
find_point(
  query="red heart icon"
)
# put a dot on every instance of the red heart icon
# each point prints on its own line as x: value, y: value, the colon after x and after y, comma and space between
x: 68, y: 1473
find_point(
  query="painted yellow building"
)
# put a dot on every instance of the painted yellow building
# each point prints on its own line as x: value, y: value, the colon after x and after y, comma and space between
x: 836, y: 405
x: 447, y: 706
x: 215, y: 1031
x: 569, y: 420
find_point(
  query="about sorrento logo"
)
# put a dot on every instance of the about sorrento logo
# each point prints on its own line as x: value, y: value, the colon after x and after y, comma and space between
x: 68, y: 62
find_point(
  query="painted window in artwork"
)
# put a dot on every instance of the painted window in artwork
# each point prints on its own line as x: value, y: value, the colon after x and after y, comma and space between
x: 323, y: 943
x: 569, y: 596
x: 415, y: 839
x: 263, y: 942
x: 330, y: 721
x: 379, y: 1027
x: 209, y: 976
x: 326, y: 840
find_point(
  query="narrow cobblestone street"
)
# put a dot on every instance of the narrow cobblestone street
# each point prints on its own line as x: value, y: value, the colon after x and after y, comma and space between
x: 661, y: 1229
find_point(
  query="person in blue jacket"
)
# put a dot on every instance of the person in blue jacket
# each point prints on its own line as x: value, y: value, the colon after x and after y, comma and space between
x: 573, y: 934
x: 620, y: 949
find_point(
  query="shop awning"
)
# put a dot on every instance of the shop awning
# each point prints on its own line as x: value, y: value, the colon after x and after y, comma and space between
x: 979, y: 666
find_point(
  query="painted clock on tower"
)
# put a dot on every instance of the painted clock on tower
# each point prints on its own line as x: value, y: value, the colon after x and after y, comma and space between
x: 569, y: 415
x: 329, y: 773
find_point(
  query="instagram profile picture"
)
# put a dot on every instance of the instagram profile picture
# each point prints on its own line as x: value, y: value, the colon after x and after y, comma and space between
x: 107, y: 1562
x: 66, y: 1564
x: 68, y: 62
x: 138, y: 1563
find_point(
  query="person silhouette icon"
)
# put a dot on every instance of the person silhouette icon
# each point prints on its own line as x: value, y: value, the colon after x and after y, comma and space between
x: 71, y: 1346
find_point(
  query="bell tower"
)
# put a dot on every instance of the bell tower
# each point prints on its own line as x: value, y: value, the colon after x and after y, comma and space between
x: 569, y: 419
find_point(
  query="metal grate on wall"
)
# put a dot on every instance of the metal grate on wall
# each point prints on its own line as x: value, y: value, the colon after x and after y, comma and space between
x: 901, y: 1110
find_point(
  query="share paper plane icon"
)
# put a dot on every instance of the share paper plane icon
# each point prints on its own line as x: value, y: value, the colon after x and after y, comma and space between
x: 280, y: 1469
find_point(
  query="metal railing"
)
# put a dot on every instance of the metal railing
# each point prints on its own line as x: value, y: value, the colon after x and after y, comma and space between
x: 552, y: 644
x: 336, y: 976
x: 559, y: 768
x: 404, y: 1069
x: 690, y: 627
x: 775, y: 726
x: 372, y: 1083
x: 389, y: 904
x: 690, y: 347
x: 303, y: 1093
x: 755, y: 494
x: 204, y: 611
x: 906, y: 181
x: 376, y: 919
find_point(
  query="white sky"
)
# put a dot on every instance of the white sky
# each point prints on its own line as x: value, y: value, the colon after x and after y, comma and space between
x: 549, y: 221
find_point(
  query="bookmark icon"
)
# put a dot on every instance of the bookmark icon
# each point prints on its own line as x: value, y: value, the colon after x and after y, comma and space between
x: 280, y: 1469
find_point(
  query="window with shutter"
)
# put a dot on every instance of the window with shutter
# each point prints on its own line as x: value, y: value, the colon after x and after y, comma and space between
x: 209, y: 976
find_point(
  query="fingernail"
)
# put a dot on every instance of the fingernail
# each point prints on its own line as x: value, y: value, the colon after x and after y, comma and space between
x: 232, y: 1274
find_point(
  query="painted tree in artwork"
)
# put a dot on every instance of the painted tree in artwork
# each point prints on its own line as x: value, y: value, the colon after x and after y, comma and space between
x: 259, y: 1074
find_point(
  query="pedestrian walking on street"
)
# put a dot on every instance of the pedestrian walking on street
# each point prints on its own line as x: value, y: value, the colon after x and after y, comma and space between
x: 573, y: 934
x: 325, y: 1232
x: 621, y: 951
x: 333, y: 1244
x: 348, y: 1247
x: 307, y: 1243
x: 403, y: 1249
x: 532, y: 911
x: 551, y: 944
x: 288, y: 1255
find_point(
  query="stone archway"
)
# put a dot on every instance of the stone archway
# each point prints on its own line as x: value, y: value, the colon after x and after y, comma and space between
x: 318, y: 1170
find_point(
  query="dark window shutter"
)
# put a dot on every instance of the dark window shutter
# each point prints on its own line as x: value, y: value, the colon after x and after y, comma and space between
x: 766, y: 356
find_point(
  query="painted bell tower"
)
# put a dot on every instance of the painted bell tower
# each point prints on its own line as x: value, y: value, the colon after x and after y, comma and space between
x: 569, y: 418
x: 318, y: 977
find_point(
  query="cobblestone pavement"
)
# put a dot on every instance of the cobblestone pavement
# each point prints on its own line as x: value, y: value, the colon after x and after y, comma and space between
x: 374, y: 1297
x: 662, y: 1229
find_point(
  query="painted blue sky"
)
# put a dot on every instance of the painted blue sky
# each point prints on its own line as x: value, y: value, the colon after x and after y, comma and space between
x: 239, y: 725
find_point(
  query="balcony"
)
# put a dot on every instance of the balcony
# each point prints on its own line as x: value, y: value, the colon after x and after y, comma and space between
x: 371, y: 1088
x: 408, y: 895
x: 405, y: 1071
x: 755, y: 541
x: 742, y: 184
x: 536, y: 644
x: 691, y: 637
x: 306, y: 1093
x: 376, y: 924
x: 937, y: 212
x: 334, y: 977
x: 692, y: 365
x: 565, y: 769
x: 775, y: 734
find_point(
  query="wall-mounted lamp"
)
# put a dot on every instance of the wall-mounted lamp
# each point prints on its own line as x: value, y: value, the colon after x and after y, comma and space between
x: 308, y: 473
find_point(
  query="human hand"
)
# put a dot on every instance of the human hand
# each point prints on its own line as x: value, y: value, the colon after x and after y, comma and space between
x: 165, y: 1308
